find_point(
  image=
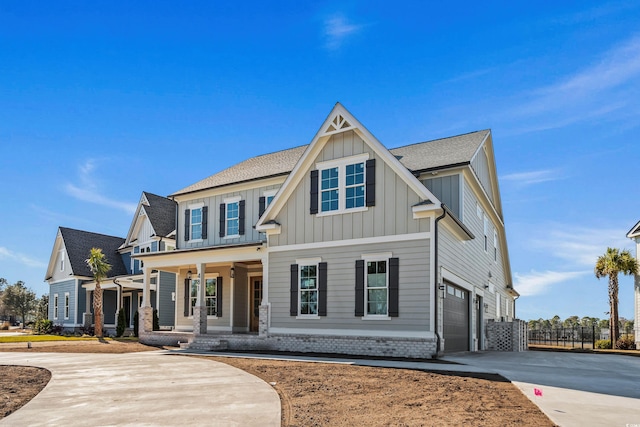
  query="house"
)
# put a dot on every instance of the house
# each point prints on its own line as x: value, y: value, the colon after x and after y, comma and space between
x: 634, y: 234
x: 71, y: 282
x: 340, y: 246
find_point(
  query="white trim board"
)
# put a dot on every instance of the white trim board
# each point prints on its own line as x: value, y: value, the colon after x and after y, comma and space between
x: 352, y: 242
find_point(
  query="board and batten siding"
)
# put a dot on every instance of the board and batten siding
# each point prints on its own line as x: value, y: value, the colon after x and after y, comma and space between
x: 415, y: 291
x: 469, y: 260
x: 251, y: 198
x: 447, y: 190
x: 61, y: 288
x: 166, y: 307
x: 60, y: 275
x: 480, y: 165
x: 391, y: 214
x: 145, y: 232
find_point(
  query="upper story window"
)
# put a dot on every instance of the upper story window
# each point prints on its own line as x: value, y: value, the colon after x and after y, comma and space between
x: 265, y: 200
x: 61, y: 258
x: 486, y: 234
x: 495, y: 245
x: 232, y: 213
x: 195, y: 222
x: 342, y: 185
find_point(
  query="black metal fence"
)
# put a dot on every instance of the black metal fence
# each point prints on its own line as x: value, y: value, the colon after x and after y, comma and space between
x: 575, y: 337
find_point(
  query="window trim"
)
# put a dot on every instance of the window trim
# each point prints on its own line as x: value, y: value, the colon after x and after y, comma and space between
x: 191, y: 208
x: 55, y: 306
x: 308, y: 262
x: 67, y: 305
x: 227, y: 202
x: 342, y: 164
x: 269, y: 194
x: 376, y: 257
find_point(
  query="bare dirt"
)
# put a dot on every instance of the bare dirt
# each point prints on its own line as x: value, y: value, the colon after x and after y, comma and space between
x: 327, y: 394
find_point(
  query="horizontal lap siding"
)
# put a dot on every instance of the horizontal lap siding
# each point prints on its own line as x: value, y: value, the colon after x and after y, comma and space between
x: 391, y: 215
x: 61, y: 288
x: 251, y: 198
x: 414, y: 294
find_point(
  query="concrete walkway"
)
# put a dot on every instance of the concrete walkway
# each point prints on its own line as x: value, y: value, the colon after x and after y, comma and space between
x: 143, y: 389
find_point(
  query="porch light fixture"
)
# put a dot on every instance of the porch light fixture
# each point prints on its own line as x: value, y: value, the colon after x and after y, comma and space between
x: 189, y: 274
x: 232, y: 272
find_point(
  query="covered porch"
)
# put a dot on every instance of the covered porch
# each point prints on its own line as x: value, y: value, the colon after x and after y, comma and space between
x: 219, y: 290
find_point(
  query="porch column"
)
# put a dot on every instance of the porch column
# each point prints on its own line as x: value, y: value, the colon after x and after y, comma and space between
x: 263, y: 319
x: 200, y: 309
x: 87, y: 318
x: 145, y: 313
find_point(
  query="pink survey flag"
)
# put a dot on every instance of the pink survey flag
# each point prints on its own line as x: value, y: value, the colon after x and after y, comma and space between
x: 537, y: 392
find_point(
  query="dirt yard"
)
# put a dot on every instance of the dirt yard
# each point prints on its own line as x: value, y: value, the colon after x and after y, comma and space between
x: 326, y: 394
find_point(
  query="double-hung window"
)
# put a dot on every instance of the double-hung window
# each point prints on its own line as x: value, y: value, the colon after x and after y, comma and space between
x: 55, y: 306
x: 377, y: 287
x: 308, y: 289
x: 193, y: 294
x: 233, y: 219
x: 342, y: 184
x: 211, y: 299
x: 66, y: 305
x: 195, y: 222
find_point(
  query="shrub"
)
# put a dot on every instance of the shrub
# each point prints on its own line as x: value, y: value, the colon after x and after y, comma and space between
x: 56, y: 330
x: 121, y: 326
x: 626, y: 342
x: 88, y: 330
x: 156, y: 321
x: 42, y: 327
x: 603, y: 344
x: 135, y: 324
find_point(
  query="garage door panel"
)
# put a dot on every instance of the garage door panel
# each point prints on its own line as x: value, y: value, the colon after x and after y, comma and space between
x: 456, y: 319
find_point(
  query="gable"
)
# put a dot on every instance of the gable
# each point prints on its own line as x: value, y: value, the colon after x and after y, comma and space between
x: 329, y: 144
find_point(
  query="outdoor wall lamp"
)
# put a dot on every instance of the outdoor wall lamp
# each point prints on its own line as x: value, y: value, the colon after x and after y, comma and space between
x: 232, y: 272
x: 189, y: 274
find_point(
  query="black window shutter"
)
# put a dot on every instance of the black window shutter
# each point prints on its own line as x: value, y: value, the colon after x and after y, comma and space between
x: 394, y: 285
x: 187, y: 297
x: 322, y: 289
x: 371, y: 182
x: 241, y: 217
x: 293, y: 303
x: 359, y: 287
x: 205, y: 221
x: 313, y: 207
x: 261, y: 208
x: 187, y: 224
x: 223, y: 213
x: 219, y: 297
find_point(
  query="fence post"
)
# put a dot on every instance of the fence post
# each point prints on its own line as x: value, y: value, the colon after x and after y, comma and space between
x: 582, y: 337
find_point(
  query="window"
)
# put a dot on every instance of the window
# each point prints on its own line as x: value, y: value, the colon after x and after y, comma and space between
x: 269, y: 196
x: 343, y: 184
x: 376, y: 288
x: 486, y: 233
x: 308, y: 289
x: 66, y: 305
x: 196, y: 223
x: 479, y: 211
x: 211, y: 297
x: 61, y: 257
x: 233, y: 219
x: 55, y: 306
x: 194, y: 294
x: 495, y: 245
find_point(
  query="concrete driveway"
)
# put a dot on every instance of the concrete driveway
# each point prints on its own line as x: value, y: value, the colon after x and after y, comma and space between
x: 577, y: 389
x: 148, y: 388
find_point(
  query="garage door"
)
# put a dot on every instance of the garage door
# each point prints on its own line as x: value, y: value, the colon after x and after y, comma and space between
x: 456, y: 319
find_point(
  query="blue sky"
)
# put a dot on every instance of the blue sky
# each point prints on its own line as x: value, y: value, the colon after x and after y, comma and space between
x: 102, y: 100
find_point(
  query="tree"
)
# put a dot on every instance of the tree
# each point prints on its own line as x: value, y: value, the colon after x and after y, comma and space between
x: 3, y: 283
x: 19, y: 300
x: 571, y: 322
x: 611, y: 264
x: 99, y: 268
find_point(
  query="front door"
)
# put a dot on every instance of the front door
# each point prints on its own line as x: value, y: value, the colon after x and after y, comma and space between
x: 126, y: 306
x: 256, y: 300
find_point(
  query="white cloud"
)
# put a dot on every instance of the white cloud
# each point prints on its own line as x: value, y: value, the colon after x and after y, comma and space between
x: 336, y: 29
x: 21, y: 258
x: 581, y: 246
x: 531, y: 177
x: 88, y: 190
x: 535, y: 283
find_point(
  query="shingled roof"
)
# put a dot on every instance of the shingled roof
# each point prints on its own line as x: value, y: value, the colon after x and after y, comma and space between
x: 427, y: 155
x: 161, y: 213
x: 78, y: 244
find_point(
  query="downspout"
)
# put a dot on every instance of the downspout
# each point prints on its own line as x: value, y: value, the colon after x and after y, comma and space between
x: 435, y: 277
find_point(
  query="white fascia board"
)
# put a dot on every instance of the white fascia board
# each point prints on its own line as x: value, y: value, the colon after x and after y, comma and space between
x: 58, y: 244
x: 270, y: 228
x: 425, y: 211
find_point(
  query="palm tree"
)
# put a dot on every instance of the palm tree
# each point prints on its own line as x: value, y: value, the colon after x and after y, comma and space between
x: 99, y: 267
x: 611, y: 264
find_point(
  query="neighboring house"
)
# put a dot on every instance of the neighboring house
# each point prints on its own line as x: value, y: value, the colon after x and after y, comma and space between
x: 71, y: 281
x: 341, y: 246
x: 634, y: 234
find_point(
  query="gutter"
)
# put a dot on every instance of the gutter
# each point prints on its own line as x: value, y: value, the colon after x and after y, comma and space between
x: 435, y: 278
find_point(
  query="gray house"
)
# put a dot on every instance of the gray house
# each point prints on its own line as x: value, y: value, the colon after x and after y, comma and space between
x: 71, y: 282
x: 341, y: 246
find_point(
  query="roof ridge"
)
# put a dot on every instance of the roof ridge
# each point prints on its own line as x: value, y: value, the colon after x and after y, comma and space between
x: 441, y: 139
